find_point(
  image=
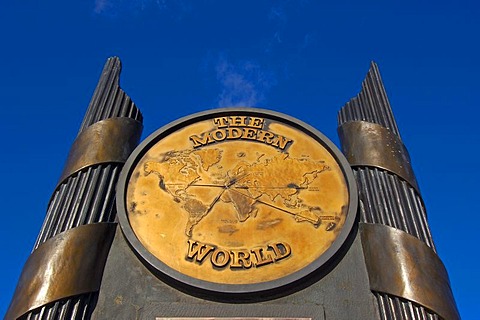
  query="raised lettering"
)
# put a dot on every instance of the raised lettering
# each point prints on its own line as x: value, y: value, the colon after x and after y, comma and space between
x: 198, y: 251
x: 234, y: 133
x: 221, y: 122
x: 204, y: 139
x: 265, y: 136
x: 281, y: 250
x: 220, y: 258
x: 249, y: 133
x: 240, y: 259
x: 219, y: 135
x: 280, y: 142
x: 240, y: 127
x: 238, y: 121
x: 256, y: 122
x: 262, y: 259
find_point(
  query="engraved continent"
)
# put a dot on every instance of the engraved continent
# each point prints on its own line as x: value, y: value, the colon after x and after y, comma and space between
x: 208, y: 157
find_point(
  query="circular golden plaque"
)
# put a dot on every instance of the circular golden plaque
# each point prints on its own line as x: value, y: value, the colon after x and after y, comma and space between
x: 236, y: 200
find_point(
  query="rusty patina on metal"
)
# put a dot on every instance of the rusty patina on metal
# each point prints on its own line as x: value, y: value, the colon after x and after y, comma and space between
x: 370, y: 144
x: 110, y: 140
x: 237, y: 197
x: 68, y: 264
x: 401, y: 265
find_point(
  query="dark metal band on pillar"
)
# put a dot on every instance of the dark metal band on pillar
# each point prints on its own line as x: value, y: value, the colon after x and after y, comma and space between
x: 69, y: 264
x: 367, y: 144
x: 402, y: 265
x: 100, y: 143
x: 388, y: 191
x: 86, y: 191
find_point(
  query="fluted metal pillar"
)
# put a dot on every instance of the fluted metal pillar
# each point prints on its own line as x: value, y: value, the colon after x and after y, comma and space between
x: 86, y: 194
x: 387, y: 197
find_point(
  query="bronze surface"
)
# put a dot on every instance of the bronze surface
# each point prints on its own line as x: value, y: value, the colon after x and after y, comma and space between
x: 237, y: 200
x: 110, y: 140
x: 401, y: 265
x: 68, y: 264
x: 370, y: 144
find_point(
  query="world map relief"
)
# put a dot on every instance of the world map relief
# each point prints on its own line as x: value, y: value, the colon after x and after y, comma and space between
x: 276, y: 181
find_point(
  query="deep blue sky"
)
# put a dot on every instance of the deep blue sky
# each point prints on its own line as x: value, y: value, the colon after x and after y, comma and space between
x: 302, y: 58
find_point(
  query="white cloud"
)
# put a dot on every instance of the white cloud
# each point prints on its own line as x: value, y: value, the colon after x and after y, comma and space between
x: 243, y: 83
x: 101, y: 6
x: 127, y: 7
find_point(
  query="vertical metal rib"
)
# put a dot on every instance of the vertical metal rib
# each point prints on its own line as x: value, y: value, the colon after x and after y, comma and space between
x: 392, y: 307
x: 87, y: 196
x: 384, y: 197
x: 388, y: 200
x: 371, y: 104
x: 109, y: 100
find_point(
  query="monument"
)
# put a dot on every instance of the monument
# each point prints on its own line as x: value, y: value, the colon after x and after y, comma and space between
x: 235, y: 213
